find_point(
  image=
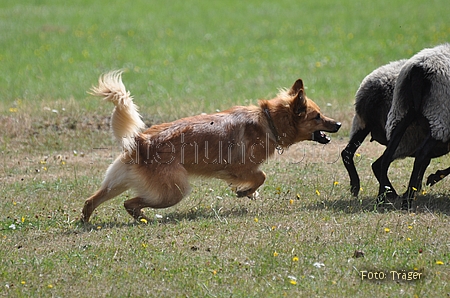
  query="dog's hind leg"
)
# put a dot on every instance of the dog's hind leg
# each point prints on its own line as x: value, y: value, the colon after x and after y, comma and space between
x: 162, y: 190
x: 99, y: 197
x: 248, y: 183
x: 134, y: 206
x: 114, y: 184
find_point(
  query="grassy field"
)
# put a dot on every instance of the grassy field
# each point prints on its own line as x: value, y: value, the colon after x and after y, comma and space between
x: 304, y: 235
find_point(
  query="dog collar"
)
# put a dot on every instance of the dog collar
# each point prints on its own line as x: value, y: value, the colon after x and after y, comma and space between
x: 273, y: 129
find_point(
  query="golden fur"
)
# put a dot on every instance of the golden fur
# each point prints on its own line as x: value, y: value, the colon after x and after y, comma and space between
x: 229, y: 145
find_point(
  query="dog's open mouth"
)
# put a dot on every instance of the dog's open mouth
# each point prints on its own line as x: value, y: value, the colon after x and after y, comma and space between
x: 320, y: 137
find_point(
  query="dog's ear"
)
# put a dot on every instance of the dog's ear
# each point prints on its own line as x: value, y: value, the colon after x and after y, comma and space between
x: 299, y: 101
x: 295, y: 89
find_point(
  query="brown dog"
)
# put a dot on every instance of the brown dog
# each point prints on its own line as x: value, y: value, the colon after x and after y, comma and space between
x: 229, y: 145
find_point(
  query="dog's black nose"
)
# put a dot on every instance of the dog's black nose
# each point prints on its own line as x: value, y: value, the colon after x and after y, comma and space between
x: 338, y: 125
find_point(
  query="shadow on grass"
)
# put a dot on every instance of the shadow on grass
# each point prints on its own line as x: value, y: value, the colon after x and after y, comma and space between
x: 91, y: 227
x: 433, y: 203
x: 193, y: 214
x: 203, y: 213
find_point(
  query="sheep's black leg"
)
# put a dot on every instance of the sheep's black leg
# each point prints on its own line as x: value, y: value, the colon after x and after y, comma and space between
x: 376, y: 168
x: 387, y: 157
x: 347, y: 157
x: 439, y: 150
x: 438, y: 176
x: 421, y: 162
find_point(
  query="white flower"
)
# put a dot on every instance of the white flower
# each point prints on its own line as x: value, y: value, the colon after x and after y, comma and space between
x: 318, y: 265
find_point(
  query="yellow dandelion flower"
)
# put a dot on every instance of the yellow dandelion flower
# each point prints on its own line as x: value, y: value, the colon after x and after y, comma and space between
x: 416, y: 269
x: 14, y: 203
x: 357, y: 155
x: 293, y: 282
x: 273, y: 228
x: 23, y: 282
x: 63, y: 162
x: 424, y: 192
x: 291, y: 201
x: 214, y: 272
x: 42, y: 162
x: 13, y: 110
x: 334, y: 282
x: 99, y: 228
x: 275, y: 254
x: 409, y: 239
x: 387, y: 230
x: 439, y: 263
x: 413, y: 188
x: 22, y: 219
x: 50, y: 286
x: 295, y: 259
x: 143, y: 220
x: 317, y: 192
x: 298, y: 196
x: 144, y: 245
x: 410, y: 227
x: 335, y: 183
x: 255, y: 219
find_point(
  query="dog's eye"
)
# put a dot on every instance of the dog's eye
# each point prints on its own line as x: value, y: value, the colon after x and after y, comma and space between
x: 317, y: 117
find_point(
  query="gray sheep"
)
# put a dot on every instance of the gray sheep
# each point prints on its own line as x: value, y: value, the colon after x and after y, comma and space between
x: 422, y: 96
x: 372, y: 103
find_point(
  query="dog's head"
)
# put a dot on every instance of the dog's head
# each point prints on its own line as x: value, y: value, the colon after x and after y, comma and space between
x: 306, y: 122
x: 309, y: 122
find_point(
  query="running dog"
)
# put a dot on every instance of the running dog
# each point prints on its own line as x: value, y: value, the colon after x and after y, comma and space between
x: 230, y: 145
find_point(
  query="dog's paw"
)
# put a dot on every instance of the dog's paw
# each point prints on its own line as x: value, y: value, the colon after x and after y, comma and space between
x: 254, y: 195
x: 244, y: 193
x: 142, y: 219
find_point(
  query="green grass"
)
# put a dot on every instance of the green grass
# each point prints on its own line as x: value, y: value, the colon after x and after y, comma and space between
x: 184, y: 58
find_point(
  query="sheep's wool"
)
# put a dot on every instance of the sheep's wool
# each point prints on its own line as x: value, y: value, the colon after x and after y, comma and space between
x: 435, y: 65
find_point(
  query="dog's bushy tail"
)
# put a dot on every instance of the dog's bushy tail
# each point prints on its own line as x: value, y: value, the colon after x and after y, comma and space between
x: 126, y: 122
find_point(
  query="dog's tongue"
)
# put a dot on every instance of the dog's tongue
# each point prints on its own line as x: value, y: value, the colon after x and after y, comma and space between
x: 320, y: 137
